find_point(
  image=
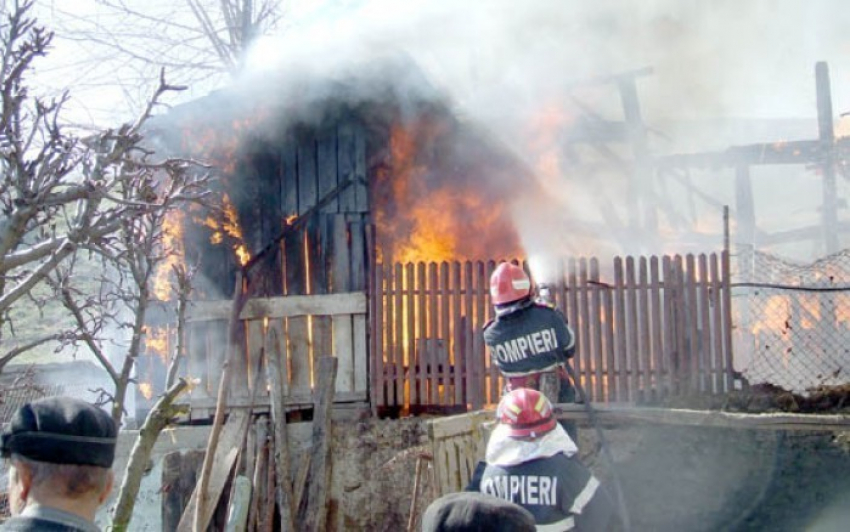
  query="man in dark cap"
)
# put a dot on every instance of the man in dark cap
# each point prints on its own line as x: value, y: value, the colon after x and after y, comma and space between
x: 60, y: 453
x: 475, y: 512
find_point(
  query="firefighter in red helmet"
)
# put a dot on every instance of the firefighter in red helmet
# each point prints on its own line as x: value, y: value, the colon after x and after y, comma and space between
x: 528, y: 341
x: 531, y: 461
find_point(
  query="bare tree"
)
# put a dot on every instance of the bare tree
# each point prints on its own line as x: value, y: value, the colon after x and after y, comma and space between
x: 61, y: 194
x: 105, y: 200
x: 199, y: 42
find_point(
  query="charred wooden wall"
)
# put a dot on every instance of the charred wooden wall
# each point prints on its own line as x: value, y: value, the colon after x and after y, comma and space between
x: 303, y: 206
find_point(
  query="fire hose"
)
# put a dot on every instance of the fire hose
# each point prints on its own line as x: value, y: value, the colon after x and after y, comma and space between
x: 603, y: 443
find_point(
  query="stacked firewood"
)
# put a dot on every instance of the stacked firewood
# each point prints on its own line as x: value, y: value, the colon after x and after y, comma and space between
x: 252, y: 485
x: 244, y: 480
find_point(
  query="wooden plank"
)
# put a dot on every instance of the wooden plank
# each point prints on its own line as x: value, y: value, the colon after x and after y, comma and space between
x: 398, y: 317
x: 255, y: 334
x: 621, y: 326
x: 457, y: 351
x: 259, y: 504
x: 728, y: 369
x: 343, y: 339
x: 410, y: 327
x: 216, y: 341
x: 680, y: 314
x: 225, y: 459
x: 716, y: 292
x: 319, y: 233
x: 705, y: 355
x: 632, y: 328
x: 613, y: 372
x: 340, y: 268
x: 479, y: 352
x: 196, y: 348
x: 584, y: 333
x: 452, y: 465
x: 361, y: 354
x: 297, y: 327
x: 319, y: 479
x: 657, y: 336
x: 693, y: 348
x: 495, y: 389
x: 422, y: 360
x: 327, y: 169
x: 573, y: 317
x: 377, y: 326
x: 346, y: 163
x: 285, y: 307
x: 445, y: 335
x: 469, y: 361
x: 361, y: 191
x: 669, y: 324
x: 293, y: 401
x: 240, y: 501
x: 360, y: 234
x: 595, y: 330
x: 389, y: 333
x: 275, y: 355
x: 289, y: 178
x: 307, y: 185
x: 644, y: 329
x: 343, y: 350
x: 433, y: 333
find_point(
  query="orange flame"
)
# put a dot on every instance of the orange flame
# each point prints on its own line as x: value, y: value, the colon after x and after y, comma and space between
x: 156, y: 341
x: 228, y: 226
x: 173, y: 254
x: 146, y: 389
x: 427, y: 210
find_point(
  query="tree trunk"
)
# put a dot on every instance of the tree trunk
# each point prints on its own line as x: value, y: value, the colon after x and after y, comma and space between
x: 159, y: 417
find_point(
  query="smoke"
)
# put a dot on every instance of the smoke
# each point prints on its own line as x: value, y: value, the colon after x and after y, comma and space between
x: 533, y: 73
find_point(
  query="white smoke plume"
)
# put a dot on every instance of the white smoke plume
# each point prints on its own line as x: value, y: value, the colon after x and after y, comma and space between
x: 504, y: 64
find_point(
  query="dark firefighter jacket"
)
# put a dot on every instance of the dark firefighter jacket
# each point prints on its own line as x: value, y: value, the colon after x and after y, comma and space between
x: 546, y: 478
x: 529, y: 338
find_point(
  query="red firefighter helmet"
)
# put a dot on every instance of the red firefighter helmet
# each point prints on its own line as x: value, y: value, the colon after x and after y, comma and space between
x: 526, y: 412
x: 509, y: 283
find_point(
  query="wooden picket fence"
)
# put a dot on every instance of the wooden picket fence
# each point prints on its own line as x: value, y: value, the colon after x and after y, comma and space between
x: 654, y: 327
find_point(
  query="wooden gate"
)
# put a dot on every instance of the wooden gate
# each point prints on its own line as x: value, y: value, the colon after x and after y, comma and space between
x: 340, y: 319
x: 650, y: 328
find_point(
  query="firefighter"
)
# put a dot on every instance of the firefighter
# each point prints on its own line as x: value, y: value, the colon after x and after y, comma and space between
x: 531, y: 461
x: 529, y: 341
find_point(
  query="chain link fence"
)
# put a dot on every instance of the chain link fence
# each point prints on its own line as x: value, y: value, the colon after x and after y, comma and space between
x: 792, y: 321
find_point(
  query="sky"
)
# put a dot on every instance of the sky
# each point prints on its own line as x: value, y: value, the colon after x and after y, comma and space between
x: 719, y: 58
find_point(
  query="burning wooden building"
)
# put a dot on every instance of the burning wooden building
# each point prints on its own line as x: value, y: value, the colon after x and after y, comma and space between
x: 366, y: 224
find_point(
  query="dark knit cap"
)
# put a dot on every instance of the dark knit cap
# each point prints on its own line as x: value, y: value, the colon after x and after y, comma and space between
x: 61, y: 430
x: 472, y: 512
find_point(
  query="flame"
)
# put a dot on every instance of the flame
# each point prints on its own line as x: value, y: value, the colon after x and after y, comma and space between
x: 545, y: 144
x: 156, y: 341
x: 431, y: 210
x: 218, y: 143
x: 842, y: 127
x: 146, y: 389
x: 173, y: 254
x: 228, y: 225
x: 775, y: 315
